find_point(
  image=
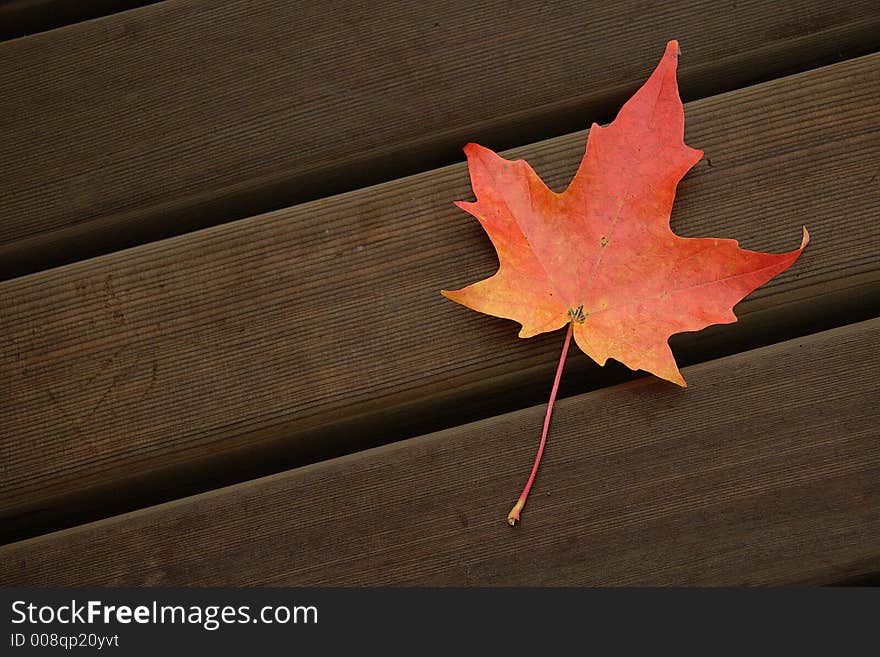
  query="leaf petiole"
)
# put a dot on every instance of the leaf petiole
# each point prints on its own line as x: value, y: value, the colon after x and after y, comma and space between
x: 513, y: 516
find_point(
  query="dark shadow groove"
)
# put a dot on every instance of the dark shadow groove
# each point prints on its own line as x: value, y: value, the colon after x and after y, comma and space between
x: 20, y: 18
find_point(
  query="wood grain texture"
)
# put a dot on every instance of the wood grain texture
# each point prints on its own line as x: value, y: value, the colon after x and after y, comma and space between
x: 249, y: 347
x: 766, y: 471
x: 186, y: 113
x: 20, y: 18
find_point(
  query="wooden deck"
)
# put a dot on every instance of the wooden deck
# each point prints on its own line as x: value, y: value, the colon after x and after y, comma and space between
x: 223, y: 354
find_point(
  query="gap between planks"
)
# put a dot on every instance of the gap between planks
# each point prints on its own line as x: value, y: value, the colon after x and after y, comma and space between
x: 20, y: 18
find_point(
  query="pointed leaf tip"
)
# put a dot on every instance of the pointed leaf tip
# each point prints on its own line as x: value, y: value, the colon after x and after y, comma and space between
x: 472, y: 148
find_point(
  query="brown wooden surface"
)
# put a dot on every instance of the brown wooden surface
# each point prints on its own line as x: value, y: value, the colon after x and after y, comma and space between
x: 765, y: 471
x: 187, y: 113
x: 240, y: 349
x: 24, y: 17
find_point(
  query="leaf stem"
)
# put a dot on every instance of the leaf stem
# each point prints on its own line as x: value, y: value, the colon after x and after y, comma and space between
x: 513, y: 516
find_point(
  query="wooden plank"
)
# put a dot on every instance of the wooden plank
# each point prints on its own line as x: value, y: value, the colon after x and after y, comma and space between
x: 765, y: 471
x: 23, y: 17
x: 186, y: 114
x: 252, y: 347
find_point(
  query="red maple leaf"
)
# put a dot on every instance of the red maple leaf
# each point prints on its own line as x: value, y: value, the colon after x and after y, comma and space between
x: 600, y: 257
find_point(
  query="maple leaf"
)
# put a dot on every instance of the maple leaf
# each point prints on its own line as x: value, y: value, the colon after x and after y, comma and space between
x: 601, y: 257
x: 601, y: 254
